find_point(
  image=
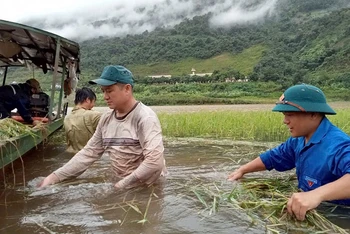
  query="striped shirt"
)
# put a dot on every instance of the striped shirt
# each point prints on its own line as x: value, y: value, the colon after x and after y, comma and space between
x: 134, y: 145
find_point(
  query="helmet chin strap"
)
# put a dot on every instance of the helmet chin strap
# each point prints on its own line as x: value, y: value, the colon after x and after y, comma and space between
x: 291, y: 104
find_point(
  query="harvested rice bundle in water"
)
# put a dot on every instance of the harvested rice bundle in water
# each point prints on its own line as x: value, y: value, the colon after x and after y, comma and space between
x: 265, y: 200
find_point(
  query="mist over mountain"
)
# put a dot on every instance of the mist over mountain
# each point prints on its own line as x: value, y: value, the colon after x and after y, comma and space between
x: 273, y: 44
x: 289, y: 41
x: 134, y: 17
x: 123, y: 17
x: 301, y: 41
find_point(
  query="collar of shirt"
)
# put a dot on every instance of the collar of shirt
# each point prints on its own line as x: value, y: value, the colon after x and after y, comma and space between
x: 320, y: 131
x: 78, y: 108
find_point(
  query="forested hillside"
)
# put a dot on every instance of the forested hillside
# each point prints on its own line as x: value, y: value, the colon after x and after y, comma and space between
x: 305, y: 41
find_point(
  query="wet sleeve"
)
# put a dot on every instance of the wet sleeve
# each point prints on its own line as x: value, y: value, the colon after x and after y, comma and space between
x: 280, y: 158
x: 151, y: 140
x: 84, y: 158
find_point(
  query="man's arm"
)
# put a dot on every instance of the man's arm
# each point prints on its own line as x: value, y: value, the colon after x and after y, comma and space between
x: 300, y: 203
x: 252, y: 166
x: 280, y: 158
x: 80, y: 162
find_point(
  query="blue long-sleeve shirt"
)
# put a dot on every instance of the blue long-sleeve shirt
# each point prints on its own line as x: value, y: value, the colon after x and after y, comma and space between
x: 324, y: 159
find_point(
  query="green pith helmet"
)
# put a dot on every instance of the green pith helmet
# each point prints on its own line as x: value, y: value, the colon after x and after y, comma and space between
x: 303, y: 98
x: 113, y: 74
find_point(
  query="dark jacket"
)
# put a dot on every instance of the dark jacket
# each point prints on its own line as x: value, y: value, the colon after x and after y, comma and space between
x: 16, y: 96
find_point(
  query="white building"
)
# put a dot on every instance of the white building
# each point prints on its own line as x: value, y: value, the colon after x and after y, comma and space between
x: 160, y: 76
x: 199, y: 74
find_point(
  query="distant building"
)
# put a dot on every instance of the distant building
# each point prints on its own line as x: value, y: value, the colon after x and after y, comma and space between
x: 160, y: 76
x: 227, y: 80
x: 193, y: 73
x: 243, y: 80
x: 234, y: 80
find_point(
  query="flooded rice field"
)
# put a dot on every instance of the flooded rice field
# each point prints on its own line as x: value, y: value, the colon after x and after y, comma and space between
x: 90, y: 204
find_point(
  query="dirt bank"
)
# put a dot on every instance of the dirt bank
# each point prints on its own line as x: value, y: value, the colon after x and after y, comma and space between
x: 243, y: 107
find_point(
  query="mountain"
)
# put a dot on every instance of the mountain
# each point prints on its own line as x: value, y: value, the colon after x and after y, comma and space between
x: 301, y: 41
x: 305, y: 41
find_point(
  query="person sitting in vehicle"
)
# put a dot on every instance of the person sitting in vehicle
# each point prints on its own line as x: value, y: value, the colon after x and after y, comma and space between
x: 81, y: 124
x: 18, y: 96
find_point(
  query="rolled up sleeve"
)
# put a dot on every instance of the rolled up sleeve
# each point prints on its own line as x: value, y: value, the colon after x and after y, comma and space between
x: 280, y: 158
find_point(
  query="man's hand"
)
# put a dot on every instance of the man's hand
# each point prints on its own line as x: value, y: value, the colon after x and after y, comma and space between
x: 237, y: 174
x: 51, y: 179
x: 36, y: 122
x: 299, y: 203
x: 119, y: 186
x: 252, y: 166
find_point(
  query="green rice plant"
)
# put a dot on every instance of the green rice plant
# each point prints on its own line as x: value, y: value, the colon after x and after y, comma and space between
x: 127, y: 205
x: 264, y: 201
x: 144, y: 220
x: 253, y: 125
x: 342, y: 120
x: 236, y: 125
x: 42, y: 226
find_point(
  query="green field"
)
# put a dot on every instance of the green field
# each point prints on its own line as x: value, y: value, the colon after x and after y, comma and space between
x: 251, y: 126
x: 243, y: 62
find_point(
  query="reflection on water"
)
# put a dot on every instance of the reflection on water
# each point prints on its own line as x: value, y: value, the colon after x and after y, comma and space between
x: 90, y: 204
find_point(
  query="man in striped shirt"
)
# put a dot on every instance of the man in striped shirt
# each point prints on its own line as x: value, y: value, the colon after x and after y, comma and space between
x: 130, y: 134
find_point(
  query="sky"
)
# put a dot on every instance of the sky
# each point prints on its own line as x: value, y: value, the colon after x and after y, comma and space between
x: 86, y: 19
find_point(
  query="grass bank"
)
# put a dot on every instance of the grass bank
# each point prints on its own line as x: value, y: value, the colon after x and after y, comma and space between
x: 217, y: 93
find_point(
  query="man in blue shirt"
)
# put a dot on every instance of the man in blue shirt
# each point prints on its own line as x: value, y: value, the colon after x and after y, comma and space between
x: 318, y: 150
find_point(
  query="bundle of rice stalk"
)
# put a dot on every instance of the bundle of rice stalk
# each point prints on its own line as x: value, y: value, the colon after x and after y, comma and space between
x: 42, y: 127
x: 264, y: 200
x: 11, y: 128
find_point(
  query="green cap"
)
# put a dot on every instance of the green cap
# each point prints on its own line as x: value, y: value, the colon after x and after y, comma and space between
x: 114, y: 74
x: 303, y: 98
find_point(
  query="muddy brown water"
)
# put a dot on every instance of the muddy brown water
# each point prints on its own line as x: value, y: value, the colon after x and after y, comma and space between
x: 90, y: 204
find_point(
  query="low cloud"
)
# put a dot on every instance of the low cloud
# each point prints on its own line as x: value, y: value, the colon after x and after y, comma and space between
x: 122, y: 17
x: 238, y: 14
